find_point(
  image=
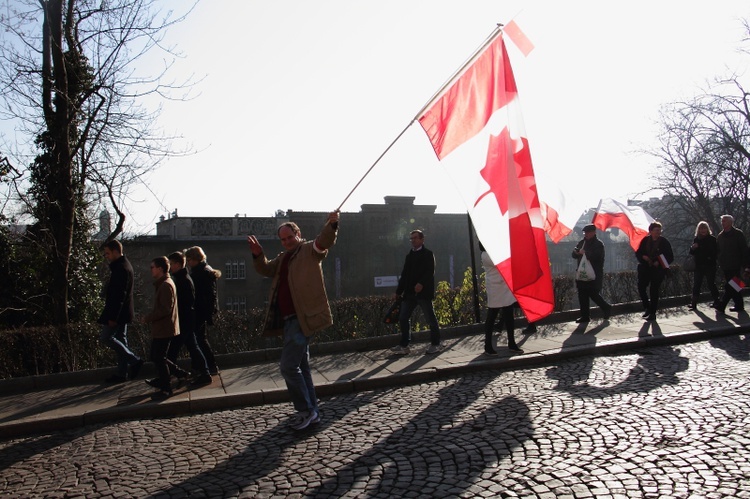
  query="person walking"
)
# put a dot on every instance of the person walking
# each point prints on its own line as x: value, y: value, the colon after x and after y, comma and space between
x: 186, y: 311
x: 499, y: 299
x: 654, y: 255
x: 164, y: 323
x: 416, y: 287
x: 593, y: 249
x: 206, y: 301
x: 297, y: 307
x: 118, y: 313
x: 705, y: 250
x: 732, y: 255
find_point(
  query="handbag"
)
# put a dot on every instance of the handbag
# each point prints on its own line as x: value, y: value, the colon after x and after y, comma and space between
x: 391, y: 316
x: 689, y: 264
x: 585, y: 272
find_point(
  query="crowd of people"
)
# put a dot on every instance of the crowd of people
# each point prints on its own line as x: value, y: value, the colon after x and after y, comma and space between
x: 184, y: 304
x: 185, y: 299
x: 728, y: 251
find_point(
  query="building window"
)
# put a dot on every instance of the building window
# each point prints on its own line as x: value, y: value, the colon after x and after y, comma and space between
x: 236, y: 304
x: 235, y: 269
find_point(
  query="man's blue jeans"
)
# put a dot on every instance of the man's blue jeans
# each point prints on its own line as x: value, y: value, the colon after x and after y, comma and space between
x: 116, y: 338
x: 404, y: 319
x: 295, y: 367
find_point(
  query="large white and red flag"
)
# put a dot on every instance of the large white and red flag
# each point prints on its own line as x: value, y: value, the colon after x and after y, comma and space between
x: 476, y: 129
x: 632, y: 220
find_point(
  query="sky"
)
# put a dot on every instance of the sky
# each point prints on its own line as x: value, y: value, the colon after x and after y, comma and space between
x: 299, y: 98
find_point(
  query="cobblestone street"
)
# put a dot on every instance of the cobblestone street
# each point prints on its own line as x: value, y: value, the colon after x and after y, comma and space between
x: 659, y: 422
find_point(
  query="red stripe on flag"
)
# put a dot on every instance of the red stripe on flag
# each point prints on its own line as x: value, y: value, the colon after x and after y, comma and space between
x: 463, y: 110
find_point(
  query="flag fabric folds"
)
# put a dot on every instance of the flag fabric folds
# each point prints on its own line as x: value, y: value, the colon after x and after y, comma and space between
x: 632, y: 220
x: 476, y: 129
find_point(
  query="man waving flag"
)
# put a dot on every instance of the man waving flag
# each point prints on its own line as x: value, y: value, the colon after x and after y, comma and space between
x: 476, y: 129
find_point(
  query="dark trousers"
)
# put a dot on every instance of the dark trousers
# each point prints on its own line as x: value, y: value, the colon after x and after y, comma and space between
x: 509, y: 322
x: 201, y: 338
x: 590, y: 292
x: 407, y: 308
x: 197, y: 359
x: 709, y: 274
x: 729, y: 292
x: 159, y: 348
x: 651, y: 278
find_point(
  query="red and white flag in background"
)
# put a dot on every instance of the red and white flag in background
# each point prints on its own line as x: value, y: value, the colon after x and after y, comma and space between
x: 476, y: 129
x: 632, y: 220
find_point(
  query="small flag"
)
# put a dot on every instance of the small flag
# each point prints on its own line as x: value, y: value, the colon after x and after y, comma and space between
x: 632, y: 220
x: 737, y: 284
x: 663, y: 261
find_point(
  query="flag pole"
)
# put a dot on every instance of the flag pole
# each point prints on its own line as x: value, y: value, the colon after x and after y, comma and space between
x: 375, y: 163
x: 450, y: 80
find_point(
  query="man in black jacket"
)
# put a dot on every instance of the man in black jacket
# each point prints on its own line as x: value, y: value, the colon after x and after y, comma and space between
x: 732, y: 257
x: 118, y: 313
x: 416, y: 286
x: 186, y: 311
x: 590, y: 289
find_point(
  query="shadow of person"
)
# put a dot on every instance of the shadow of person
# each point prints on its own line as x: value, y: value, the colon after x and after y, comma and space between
x: 434, y: 444
x: 734, y: 346
x: 583, y: 364
x: 654, y: 368
x: 351, y: 423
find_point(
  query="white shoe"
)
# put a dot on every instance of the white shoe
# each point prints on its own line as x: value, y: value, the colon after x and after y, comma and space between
x: 399, y: 350
x: 434, y: 348
x: 306, y: 419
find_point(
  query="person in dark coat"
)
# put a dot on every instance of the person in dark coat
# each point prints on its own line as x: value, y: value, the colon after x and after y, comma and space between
x: 118, y: 313
x: 732, y: 257
x: 704, y: 250
x: 593, y: 249
x: 186, y: 310
x: 654, y: 256
x: 416, y: 287
x: 206, y: 300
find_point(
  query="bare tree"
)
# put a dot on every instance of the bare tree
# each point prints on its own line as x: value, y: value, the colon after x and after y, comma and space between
x: 72, y: 86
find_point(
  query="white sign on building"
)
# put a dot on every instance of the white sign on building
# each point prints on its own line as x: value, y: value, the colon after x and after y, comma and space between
x: 386, y: 281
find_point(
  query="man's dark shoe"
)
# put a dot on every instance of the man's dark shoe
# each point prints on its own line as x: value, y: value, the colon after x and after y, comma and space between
x: 202, y: 380
x: 136, y: 368
x: 116, y: 378
x: 161, y: 395
x: 490, y: 352
x: 581, y: 320
x: 153, y: 382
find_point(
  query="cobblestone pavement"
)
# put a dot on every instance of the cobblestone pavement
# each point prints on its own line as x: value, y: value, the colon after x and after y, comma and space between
x: 660, y: 422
